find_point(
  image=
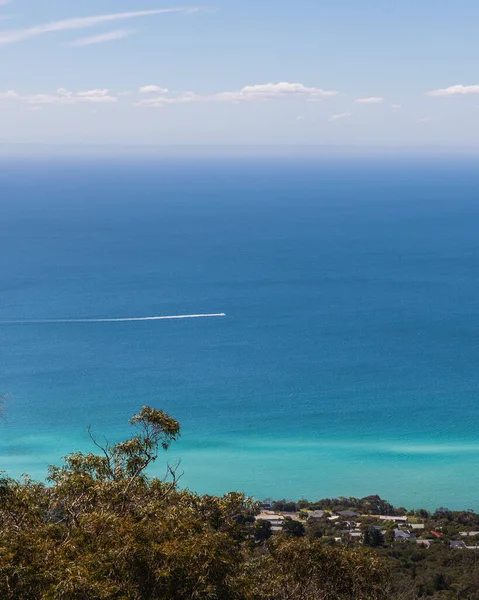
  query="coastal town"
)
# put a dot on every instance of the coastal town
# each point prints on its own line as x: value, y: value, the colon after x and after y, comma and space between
x: 354, y: 522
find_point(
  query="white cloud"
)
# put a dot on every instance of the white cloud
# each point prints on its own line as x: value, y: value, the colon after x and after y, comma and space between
x: 111, y: 36
x: 65, y: 97
x: 343, y: 115
x: 249, y: 93
x: 9, y: 94
x: 159, y: 101
x: 152, y: 89
x: 455, y: 90
x: 17, y: 35
x: 372, y: 100
x: 396, y: 106
x: 90, y: 93
x: 425, y: 120
x: 284, y: 88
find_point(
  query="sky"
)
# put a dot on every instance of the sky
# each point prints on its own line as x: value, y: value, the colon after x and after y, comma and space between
x: 240, y: 72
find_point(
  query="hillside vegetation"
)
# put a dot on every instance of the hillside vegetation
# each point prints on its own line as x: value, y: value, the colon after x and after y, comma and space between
x: 101, y: 529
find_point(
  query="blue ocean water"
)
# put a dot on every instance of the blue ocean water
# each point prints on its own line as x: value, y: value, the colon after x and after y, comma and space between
x: 346, y: 364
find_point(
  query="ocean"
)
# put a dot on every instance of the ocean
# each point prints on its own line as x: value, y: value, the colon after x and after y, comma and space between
x: 346, y: 364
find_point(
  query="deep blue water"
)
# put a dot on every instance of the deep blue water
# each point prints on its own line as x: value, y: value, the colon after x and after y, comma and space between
x: 348, y: 360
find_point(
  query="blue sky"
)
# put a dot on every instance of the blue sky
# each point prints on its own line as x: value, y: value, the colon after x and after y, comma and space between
x: 338, y: 72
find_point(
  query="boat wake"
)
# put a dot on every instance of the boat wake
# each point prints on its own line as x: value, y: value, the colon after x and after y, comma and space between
x: 114, y: 320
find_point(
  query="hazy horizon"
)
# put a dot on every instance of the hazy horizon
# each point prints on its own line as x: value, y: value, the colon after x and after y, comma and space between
x: 342, y: 73
x: 240, y: 151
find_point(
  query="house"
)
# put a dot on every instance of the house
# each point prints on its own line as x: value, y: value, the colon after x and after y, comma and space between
x: 423, y: 543
x: 457, y: 545
x: 351, y: 524
x: 275, y: 519
x: 393, y: 518
x: 348, y: 514
x: 403, y: 536
x: 417, y: 526
x: 468, y: 533
x: 353, y: 535
x: 315, y: 514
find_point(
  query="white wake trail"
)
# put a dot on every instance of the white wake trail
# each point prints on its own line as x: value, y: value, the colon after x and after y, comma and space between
x: 116, y: 320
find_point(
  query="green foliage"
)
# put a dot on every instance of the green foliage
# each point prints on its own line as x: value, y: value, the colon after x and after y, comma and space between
x: 315, y: 529
x: 373, y: 505
x: 305, y: 569
x: 293, y: 528
x: 103, y: 530
x: 262, y: 531
x: 373, y: 537
x: 284, y: 506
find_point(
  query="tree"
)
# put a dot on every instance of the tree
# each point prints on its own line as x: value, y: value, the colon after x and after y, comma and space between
x: 104, y: 530
x: 262, y: 531
x: 303, y: 569
x: 128, y: 460
x: 389, y: 537
x: 284, y: 506
x: 373, y: 537
x: 314, y: 528
x: 293, y: 528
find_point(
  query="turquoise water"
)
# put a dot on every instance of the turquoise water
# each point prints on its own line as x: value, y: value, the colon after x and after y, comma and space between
x: 346, y: 364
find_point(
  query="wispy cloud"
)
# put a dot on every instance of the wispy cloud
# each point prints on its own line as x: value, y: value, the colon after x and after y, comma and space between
x: 285, y: 88
x: 343, y: 115
x: 9, y: 94
x: 249, y: 93
x: 111, y: 36
x: 425, y: 120
x: 18, y: 35
x: 89, y: 93
x: 396, y: 105
x: 372, y: 100
x: 153, y: 89
x: 63, y: 96
x: 455, y: 90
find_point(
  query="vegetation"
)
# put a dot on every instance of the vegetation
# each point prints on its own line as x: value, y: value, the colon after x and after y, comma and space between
x: 103, y: 530
x: 424, y: 566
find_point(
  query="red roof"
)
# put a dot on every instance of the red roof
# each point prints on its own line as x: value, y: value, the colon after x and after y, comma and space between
x: 436, y: 534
